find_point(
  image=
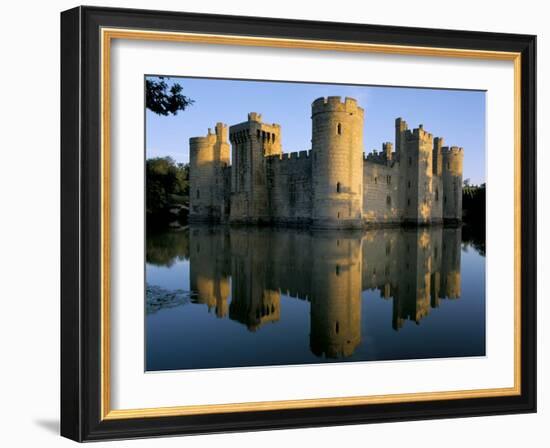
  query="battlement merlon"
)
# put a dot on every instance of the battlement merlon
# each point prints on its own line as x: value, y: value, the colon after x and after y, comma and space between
x: 219, y: 135
x: 335, y: 104
x: 418, y: 134
x: 290, y: 156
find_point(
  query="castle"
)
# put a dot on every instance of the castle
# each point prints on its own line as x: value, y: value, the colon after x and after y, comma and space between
x: 333, y: 185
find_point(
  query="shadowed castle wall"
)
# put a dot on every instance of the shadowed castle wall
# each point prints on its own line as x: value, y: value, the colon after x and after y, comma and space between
x: 253, y: 141
x: 290, y: 185
x: 381, y: 181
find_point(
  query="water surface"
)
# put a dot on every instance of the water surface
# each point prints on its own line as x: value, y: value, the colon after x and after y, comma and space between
x: 222, y: 297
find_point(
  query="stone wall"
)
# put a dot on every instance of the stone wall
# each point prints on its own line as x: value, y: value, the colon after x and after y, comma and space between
x: 290, y: 185
x: 381, y: 202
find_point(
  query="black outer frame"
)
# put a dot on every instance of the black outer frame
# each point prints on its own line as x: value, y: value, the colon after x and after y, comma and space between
x: 81, y: 224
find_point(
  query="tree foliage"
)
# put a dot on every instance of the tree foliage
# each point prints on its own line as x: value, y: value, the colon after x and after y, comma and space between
x: 167, y: 187
x: 163, y: 99
x: 473, y: 202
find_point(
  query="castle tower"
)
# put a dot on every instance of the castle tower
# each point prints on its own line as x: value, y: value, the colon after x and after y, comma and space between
x: 336, y: 294
x: 400, y: 128
x: 452, y: 184
x: 416, y: 159
x: 208, y: 156
x: 337, y: 149
x: 252, y: 141
x: 437, y: 181
x: 387, y: 148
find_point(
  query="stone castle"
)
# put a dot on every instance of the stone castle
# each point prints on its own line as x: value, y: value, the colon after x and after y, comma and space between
x: 333, y: 185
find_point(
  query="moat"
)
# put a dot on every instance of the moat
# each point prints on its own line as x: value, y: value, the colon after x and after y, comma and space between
x: 232, y: 297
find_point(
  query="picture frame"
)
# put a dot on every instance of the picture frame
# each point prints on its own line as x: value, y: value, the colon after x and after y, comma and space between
x: 86, y: 37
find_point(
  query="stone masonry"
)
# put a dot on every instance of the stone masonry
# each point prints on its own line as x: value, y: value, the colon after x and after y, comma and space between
x: 333, y: 185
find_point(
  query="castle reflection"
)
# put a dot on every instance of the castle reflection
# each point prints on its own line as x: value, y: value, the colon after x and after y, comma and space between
x: 240, y: 274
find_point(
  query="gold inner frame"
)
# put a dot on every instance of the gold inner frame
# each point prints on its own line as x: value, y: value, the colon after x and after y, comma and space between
x: 107, y: 35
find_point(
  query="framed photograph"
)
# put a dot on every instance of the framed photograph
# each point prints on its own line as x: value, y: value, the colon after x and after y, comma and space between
x: 274, y: 223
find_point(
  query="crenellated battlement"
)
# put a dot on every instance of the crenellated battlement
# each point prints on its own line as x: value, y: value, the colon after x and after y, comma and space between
x: 452, y: 150
x: 335, y: 104
x: 419, y: 134
x: 289, y: 156
x: 219, y: 135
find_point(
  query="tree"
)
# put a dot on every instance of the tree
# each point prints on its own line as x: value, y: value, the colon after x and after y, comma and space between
x: 167, y: 186
x: 164, y: 100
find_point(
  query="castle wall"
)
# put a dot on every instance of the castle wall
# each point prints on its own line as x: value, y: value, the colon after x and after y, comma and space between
x: 290, y: 185
x: 381, y: 201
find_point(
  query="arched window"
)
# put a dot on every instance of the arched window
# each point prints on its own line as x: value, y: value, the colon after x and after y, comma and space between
x: 198, y: 194
x: 339, y: 128
x: 338, y: 187
x: 437, y: 194
x: 388, y: 201
x: 337, y: 327
x: 337, y: 269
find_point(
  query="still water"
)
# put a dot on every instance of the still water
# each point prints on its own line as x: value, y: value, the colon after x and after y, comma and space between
x: 220, y: 297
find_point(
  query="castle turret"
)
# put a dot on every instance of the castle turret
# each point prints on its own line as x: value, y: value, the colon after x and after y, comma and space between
x: 337, y: 148
x: 416, y: 158
x: 452, y: 184
x: 252, y: 142
x: 400, y: 128
x: 387, y: 148
x: 208, y: 156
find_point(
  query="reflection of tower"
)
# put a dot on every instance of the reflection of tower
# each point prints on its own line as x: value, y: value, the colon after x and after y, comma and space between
x: 208, y: 157
x: 336, y: 295
x: 337, y: 149
x: 413, y: 297
x: 209, y: 268
x: 253, y: 302
x: 450, y: 263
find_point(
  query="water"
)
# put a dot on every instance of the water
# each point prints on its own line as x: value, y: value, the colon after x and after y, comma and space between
x: 220, y: 297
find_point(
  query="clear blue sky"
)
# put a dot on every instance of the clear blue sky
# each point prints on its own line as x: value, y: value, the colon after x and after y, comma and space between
x: 456, y: 115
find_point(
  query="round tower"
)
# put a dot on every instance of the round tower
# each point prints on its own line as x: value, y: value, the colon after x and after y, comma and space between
x: 337, y: 149
x: 453, y: 159
x: 208, y: 156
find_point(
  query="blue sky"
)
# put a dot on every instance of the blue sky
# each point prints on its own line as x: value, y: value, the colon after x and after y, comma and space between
x: 456, y: 115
